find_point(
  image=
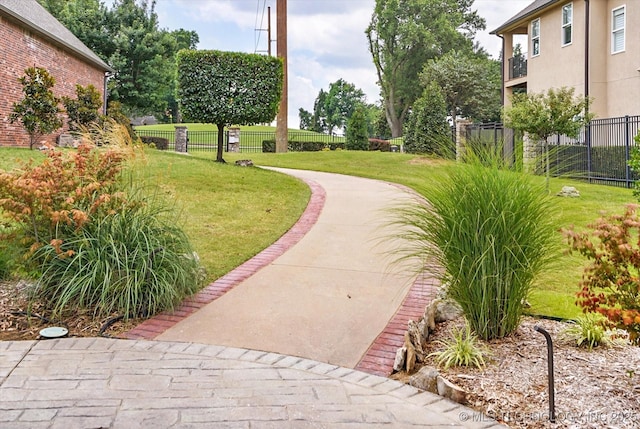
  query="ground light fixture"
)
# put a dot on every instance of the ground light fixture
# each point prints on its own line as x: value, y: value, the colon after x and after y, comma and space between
x: 53, y: 332
x: 552, y: 406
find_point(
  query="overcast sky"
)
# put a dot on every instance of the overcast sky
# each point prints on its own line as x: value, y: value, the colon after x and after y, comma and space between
x: 326, y: 38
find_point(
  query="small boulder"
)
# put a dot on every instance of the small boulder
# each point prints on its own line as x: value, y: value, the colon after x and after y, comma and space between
x: 447, y: 310
x: 430, y: 315
x: 425, y: 379
x: 450, y: 391
x: 569, y: 191
x: 398, y: 363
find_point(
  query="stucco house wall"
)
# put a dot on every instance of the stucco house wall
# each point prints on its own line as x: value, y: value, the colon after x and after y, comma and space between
x: 30, y: 36
x: 613, y: 78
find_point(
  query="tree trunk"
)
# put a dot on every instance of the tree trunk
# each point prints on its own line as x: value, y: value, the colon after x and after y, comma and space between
x: 219, y: 157
x: 395, y: 122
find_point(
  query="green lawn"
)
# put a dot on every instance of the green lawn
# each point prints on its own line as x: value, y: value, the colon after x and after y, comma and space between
x: 229, y: 213
x: 232, y: 213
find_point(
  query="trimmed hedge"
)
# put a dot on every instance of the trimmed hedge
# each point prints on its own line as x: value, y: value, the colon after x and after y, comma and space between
x: 269, y: 146
x: 160, y: 142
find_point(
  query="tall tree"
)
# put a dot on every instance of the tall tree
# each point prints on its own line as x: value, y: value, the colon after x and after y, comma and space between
x: 226, y: 88
x: 341, y: 101
x: 470, y: 85
x: 306, y: 119
x: 141, y: 58
x: 332, y: 109
x: 404, y: 34
x: 38, y: 111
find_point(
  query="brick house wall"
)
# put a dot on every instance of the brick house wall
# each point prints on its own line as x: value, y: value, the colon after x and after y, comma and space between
x: 20, y: 49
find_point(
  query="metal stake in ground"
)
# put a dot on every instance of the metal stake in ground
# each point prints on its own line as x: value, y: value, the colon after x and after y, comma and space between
x: 552, y: 406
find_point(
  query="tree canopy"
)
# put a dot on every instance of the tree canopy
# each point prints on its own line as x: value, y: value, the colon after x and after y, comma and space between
x: 226, y: 88
x: 404, y: 34
x: 558, y: 111
x: 127, y: 36
x: 470, y: 84
x: 332, y: 109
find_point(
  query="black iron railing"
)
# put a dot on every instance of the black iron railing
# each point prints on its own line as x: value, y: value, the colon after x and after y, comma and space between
x: 600, y: 153
x: 517, y: 67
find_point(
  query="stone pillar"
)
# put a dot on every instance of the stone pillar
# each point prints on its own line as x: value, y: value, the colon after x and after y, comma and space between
x: 529, y: 153
x: 461, y: 137
x: 181, y: 138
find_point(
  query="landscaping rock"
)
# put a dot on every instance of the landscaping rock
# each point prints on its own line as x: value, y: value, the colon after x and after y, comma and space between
x: 425, y: 379
x: 244, y: 163
x: 450, y: 391
x: 430, y: 315
x: 415, y: 337
x: 410, y: 361
x: 568, y: 191
x: 401, y: 355
x: 447, y: 310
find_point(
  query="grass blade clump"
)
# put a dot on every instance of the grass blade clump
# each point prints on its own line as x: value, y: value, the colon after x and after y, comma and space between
x: 134, y: 262
x: 461, y: 349
x: 486, y: 232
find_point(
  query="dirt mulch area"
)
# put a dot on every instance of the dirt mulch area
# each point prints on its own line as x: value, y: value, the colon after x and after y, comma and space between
x: 593, y: 389
x: 21, y: 319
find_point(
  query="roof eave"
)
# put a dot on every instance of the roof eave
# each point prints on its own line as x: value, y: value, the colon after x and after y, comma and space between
x: 101, y: 64
x: 510, y: 24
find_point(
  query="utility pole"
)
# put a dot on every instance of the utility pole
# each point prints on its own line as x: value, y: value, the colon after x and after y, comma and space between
x: 282, y: 127
x: 269, y: 30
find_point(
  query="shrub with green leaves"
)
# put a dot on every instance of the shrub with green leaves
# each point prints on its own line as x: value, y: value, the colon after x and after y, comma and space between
x: 427, y: 130
x: 486, y: 232
x: 634, y: 164
x: 357, y: 134
x: 462, y: 349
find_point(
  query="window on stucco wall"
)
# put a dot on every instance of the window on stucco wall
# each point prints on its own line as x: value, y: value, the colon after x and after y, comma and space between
x: 617, y: 29
x: 535, y: 37
x: 567, y: 24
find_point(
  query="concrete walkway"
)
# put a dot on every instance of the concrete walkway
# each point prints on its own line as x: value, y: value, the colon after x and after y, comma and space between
x: 128, y: 384
x: 329, y: 296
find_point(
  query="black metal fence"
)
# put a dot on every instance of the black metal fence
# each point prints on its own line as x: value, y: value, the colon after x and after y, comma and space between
x: 600, y: 153
x: 250, y: 141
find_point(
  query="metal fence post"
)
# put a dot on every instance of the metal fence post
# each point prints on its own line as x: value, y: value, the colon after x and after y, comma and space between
x: 627, y: 145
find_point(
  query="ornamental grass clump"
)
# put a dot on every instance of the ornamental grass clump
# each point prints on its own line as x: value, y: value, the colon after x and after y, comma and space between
x: 462, y: 349
x: 92, y: 235
x: 135, y: 262
x: 486, y: 232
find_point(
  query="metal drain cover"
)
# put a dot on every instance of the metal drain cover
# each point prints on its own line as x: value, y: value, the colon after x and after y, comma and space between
x: 54, y: 332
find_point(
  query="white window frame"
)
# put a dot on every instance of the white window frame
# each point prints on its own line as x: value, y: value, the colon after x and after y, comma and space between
x: 535, y: 37
x: 621, y: 30
x: 568, y: 24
